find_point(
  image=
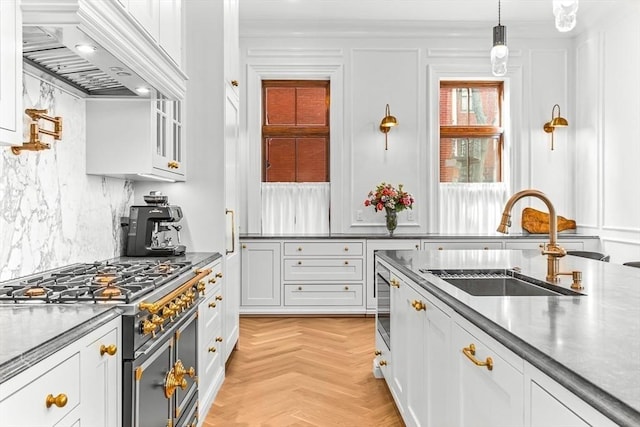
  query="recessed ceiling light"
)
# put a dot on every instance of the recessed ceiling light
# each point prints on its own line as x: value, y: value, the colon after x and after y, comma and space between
x: 86, y: 48
x: 142, y: 90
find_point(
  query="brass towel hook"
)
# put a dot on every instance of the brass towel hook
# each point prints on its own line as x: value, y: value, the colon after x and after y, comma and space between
x: 34, y: 143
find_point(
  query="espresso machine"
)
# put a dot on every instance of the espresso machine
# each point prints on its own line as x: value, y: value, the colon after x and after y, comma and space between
x: 153, y: 226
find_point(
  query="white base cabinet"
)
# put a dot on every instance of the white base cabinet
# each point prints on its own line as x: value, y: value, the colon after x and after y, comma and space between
x: 211, y: 341
x: 82, y: 383
x: 444, y: 371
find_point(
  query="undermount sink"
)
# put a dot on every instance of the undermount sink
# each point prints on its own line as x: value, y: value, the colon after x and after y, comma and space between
x: 499, y: 283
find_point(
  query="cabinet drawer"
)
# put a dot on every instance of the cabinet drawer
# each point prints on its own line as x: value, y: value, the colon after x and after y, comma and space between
x: 210, y: 309
x: 323, y: 248
x: 461, y: 245
x: 323, y: 294
x: 211, y: 355
x: 27, y: 406
x: 322, y: 269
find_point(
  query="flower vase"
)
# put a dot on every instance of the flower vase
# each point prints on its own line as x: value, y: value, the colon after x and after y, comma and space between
x: 392, y: 220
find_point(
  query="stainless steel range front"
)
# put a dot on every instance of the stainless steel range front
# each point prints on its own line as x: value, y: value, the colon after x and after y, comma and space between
x: 159, y: 301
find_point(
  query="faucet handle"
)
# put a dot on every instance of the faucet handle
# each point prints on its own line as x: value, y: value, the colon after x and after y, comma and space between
x: 554, y: 250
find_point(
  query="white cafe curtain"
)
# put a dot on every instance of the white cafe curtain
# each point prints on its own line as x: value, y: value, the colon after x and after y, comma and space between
x: 295, y: 208
x: 471, y: 208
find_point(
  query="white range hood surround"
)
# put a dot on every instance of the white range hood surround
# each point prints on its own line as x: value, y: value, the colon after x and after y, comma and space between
x: 110, y: 26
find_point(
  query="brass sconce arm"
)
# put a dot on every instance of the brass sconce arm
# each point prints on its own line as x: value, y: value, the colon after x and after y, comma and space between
x: 34, y: 143
x: 388, y: 121
x: 555, y: 122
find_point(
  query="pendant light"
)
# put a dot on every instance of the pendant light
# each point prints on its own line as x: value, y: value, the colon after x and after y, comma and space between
x: 499, y: 51
x: 565, y: 12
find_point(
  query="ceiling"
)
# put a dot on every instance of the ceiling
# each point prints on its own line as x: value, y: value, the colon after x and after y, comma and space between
x: 325, y: 15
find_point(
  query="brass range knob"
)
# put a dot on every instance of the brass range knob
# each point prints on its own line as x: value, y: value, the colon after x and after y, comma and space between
x: 212, y: 350
x: 167, y: 313
x: 201, y: 287
x: 158, y: 321
x: 148, y: 327
x: 60, y: 400
x: 174, y: 308
x: 108, y: 349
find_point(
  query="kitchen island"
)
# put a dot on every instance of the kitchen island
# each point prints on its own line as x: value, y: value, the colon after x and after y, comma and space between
x: 589, y: 344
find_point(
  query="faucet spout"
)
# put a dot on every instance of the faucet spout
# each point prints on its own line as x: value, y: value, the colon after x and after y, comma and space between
x: 552, y: 250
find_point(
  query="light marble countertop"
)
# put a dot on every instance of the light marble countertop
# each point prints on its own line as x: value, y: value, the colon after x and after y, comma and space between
x: 425, y: 236
x: 590, y: 344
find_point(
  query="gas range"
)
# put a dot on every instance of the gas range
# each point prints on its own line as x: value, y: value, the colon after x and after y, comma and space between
x: 120, y: 282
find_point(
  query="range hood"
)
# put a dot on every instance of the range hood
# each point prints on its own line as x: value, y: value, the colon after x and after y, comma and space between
x: 69, y: 55
x: 97, y: 48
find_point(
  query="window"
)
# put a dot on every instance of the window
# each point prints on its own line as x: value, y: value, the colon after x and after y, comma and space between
x: 471, y: 134
x: 295, y: 131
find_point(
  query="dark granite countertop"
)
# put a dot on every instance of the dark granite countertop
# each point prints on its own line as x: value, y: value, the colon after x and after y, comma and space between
x: 428, y: 236
x: 31, y: 332
x: 590, y: 344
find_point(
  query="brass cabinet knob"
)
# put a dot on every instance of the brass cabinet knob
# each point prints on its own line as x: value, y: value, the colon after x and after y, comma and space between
x: 299, y: 288
x: 60, y: 400
x: 418, y: 305
x: 383, y: 363
x: 346, y: 248
x: 486, y: 248
x: 440, y: 248
x: 218, y: 339
x: 395, y: 283
x: 219, y: 297
x: 299, y: 262
x: 173, y: 165
x: 109, y: 349
x: 417, y: 246
x: 346, y: 288
x: 212, y: 305
x: 244, y: 246
x: 346, y: 263
x: 212, y: 350
x: 299, y: 249
x: 234, y: 83
x: 377, y: 352
x: 212, y: 280
x: 219, y: 274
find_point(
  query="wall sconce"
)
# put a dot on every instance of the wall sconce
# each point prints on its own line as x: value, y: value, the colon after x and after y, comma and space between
x: 555, y: 122
x: 34, y: 143
x: 386, y: 124
x: 565, y: 12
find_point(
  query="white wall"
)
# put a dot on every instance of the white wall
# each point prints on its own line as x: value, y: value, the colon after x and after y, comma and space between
x: 606, y: 129
x: 370, y: 69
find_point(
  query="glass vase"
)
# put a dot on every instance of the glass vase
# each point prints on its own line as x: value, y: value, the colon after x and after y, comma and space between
x: 392, y: 220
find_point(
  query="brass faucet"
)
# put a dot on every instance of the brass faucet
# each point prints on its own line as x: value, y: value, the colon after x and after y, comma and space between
x: 551, y: 249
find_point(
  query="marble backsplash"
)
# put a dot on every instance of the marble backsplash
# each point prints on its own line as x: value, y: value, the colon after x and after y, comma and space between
x: 51, y: 213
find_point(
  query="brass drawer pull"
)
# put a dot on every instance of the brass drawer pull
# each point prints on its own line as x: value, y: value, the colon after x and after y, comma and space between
x: 395, y: 283
x: 383, y: 363
x: 470, y: 352
x: 212, y: 305
x: 60, y: 400
x: 346, y: 249
x: 218, y: 297
x: 110, y: 349
x: 234, y: 83
x: 346, y: 288
x: 346, y: 263
x: 299, y: 249
x: 218, y: 339
x: 440, y: 248
x: 377, y: 353
x: 212, y: 350
x: 299, y: 288
x: 299, y: 262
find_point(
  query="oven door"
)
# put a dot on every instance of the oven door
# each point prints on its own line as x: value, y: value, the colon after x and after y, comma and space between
x: 186, y: 349
x: 383, y: 299
x: 144, y: 387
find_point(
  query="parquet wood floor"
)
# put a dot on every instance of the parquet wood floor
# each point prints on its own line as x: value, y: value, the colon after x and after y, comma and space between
x: 304, y: 371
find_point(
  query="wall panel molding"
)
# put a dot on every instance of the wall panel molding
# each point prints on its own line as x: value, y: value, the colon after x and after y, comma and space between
x: 294, y: 52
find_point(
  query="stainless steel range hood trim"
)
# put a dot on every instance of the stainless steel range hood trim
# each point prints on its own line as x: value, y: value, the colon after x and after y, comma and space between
x: 110, y: 26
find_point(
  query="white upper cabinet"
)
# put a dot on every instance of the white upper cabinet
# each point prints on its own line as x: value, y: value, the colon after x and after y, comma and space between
x: 231, y: 44
x: 147, y: 13
x: 170, y: 29
x: 10, y: 73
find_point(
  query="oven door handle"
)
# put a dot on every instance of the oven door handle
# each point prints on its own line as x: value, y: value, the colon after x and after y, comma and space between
x: 155, y: 307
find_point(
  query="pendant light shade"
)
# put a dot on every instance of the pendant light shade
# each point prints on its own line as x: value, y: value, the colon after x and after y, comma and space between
x: 499, y: 51
x: 565, y: 12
